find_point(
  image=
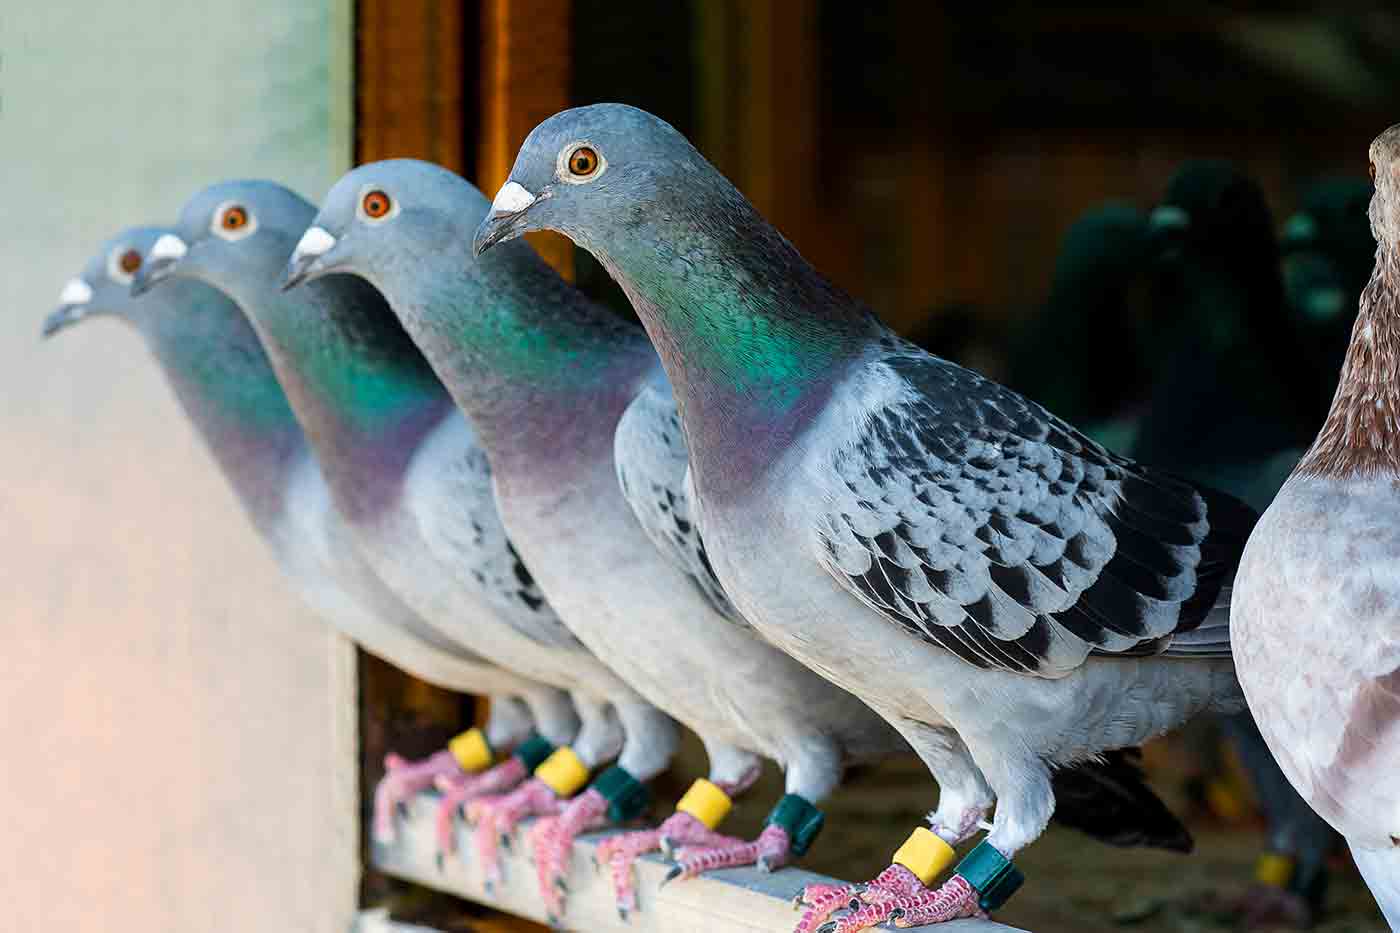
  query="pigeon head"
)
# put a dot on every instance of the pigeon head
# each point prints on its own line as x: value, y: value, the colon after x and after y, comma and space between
x: 582, y: 165
x: 1218, y: 266
x: 203, y: 343
x: 1385, y: 203
x: 1328, y: 251
x: 379, y: 217
x: 103, y: 288
x: 233, y: 236
x: 1212, y: 211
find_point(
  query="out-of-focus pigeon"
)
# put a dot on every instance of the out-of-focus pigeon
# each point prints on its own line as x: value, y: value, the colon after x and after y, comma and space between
x: 1218, y: 294
x: 1328, y: 253
x: 1316, y: 617
x: 1085, y: 355
x: 404, y: 469
x: 1007, y: 593
x: 1225, y: 419
x: 568, y: 399
x: 222, y: 378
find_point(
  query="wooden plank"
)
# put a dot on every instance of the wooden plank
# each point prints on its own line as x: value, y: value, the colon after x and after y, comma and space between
x: 740, y: 900
x: 526, y: 57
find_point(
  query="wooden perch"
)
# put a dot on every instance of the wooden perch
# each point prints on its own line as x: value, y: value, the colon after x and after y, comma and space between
x: 739, y: 900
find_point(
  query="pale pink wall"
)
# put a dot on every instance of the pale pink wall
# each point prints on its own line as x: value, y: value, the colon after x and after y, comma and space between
x: 176, y: 732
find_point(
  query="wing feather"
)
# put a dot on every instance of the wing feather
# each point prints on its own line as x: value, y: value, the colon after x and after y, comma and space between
x: 653, y: 469
x: 980, y: 522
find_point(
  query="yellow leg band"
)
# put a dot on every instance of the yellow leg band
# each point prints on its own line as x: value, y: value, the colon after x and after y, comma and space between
x: 563, y: 772
x: 706, y: 802
x: 1273, y: 869
x: 925, y: 854
x: 472, y: 751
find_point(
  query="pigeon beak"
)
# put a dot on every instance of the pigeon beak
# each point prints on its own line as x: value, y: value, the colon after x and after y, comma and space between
x: 160, y: 263
x: 314, y: 244
x: 1168, y: 227
x: 502, y: 223
x: 72, y: 308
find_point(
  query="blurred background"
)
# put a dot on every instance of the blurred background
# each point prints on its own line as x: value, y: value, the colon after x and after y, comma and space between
x: 1036, y: 190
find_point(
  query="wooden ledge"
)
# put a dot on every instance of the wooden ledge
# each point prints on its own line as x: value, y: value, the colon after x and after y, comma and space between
x: 737, y: 900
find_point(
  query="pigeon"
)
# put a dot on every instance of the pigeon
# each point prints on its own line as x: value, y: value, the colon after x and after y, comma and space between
x: 1316, y: 608
x: 1219, y: 272
x: 1086, y: 355
x: 1007, y: 593
x: 1218, y: 295
x: 574, y: 410
x: 222, y: 378
x: 1328, y: 253
x: 405, y: 470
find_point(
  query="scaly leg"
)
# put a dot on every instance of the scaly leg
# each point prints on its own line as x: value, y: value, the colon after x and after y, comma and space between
x: 963, y: 800
x: 456, y: 794
x: 651, y: 739
x: 495, y: 818
x: 508, y: 723
x: 403, y: 780
x: 1025, y: 801
x: 732, y: 771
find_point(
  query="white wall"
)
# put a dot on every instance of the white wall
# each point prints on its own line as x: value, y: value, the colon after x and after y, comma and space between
x: 176, y: 733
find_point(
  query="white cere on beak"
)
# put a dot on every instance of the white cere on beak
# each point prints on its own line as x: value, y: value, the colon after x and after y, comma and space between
x: 1169, y: 217
x: 169, y: 246
x: 76, y: 292
x: 511, y: 199
x: 314, y: 242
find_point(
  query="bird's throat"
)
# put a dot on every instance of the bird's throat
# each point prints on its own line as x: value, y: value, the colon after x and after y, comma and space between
x: 1361, y: 436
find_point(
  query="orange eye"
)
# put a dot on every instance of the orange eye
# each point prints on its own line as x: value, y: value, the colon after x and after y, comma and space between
x: 376, y: 204
x: 583, y: 162
x: 235, y: 218
x: 129, y: 262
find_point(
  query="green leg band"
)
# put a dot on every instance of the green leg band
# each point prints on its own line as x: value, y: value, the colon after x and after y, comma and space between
x: 533, y: 751
x: 626, y: 796
x: 991, y: 873
x: 801, y: 820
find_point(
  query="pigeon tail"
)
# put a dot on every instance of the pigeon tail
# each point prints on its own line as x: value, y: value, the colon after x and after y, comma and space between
x: 1109, y: 800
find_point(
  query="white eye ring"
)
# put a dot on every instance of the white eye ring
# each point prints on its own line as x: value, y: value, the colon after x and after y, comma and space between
x: 216, y: 222
x: 561, y: 165
x: 360, y: 205
x: 115, y: 272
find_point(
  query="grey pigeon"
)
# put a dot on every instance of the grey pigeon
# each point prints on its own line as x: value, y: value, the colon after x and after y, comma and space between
x: 223, y: 380
x: 566, y: 398
x: 403, y: 466
x: 1010, y: 595
x: 1316, y: 615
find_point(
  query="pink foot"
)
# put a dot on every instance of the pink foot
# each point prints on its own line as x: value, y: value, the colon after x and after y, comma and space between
x: 457, y: 792
x: 552, y: 841
x: 402, y: 780
x: 619, y: 853
x: 770, y: 850
x: 496, y: 818
x: 822, y: 900
x: 898, y: 896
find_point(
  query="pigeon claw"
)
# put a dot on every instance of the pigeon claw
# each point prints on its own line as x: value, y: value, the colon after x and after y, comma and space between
x: 497, y: 816
x: 458, y: 792
x: 552, y: 841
